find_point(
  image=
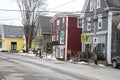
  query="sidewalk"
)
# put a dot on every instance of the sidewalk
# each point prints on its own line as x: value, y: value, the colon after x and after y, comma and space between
x: 50, y: 57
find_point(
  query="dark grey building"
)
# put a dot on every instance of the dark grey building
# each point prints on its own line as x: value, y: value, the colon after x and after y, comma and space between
x: 106, y: 23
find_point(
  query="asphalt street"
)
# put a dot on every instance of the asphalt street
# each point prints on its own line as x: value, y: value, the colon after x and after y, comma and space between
x: 17, y: 67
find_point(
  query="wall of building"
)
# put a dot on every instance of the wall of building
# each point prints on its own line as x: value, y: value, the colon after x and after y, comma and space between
x: 19, y: 41
x: 74, y: 35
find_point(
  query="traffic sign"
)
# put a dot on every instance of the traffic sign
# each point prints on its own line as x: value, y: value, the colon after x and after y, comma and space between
x: 95, y: 40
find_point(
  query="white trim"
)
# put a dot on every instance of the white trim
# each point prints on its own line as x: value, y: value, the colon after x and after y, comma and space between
x: 109, y: 38
x: 66, y: 38
x: 83, y: 33
x: 99, y: 33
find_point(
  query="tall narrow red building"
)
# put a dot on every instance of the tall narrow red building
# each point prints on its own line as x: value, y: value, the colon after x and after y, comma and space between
x: 66, y: 35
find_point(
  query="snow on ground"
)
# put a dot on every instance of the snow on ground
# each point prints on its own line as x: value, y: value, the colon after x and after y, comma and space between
x: 50, y: 56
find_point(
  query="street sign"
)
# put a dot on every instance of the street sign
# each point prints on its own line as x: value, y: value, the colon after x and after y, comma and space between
x: 95, y: 40
x: 85, y: 38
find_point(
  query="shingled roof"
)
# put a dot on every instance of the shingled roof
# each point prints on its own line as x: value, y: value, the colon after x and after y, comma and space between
x: 113, y: 3
x: 13, y: 31
x: 45, y: 24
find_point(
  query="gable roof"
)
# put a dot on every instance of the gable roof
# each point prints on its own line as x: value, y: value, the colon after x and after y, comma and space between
x: 64, y: 15
x: 13, y: 31
x: 45, y: 24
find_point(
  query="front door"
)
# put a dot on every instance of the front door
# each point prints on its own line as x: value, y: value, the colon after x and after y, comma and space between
x: 13, y: 46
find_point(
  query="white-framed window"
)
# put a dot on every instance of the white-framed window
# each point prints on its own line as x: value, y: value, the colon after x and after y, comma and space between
x: 79, y: 22
x: 91, y: 5
x: 100, y: 21
x: 88, y: 26
x: 58, y: 22
x: 98, y: 4
x: 63, y: 22
x: 61, y: 52
x: 53, y: 37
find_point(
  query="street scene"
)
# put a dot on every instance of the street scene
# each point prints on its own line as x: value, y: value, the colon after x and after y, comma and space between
x: 60, y: 40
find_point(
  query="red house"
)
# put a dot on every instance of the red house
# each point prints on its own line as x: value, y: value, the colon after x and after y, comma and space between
x: 66, y: 35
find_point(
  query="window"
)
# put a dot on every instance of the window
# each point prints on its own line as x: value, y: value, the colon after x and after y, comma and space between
x: 63, y: 22
x: 79, y: 22
x: 89, y: 24
x: 58, y: 22
x: 87, y: 47
x: 99, y: 21
x: 98, y: 4
x: 100, y: 47
x: 53, y: 38
x: 91, y: 5
x: 61, y: 52
x: 62, y: 35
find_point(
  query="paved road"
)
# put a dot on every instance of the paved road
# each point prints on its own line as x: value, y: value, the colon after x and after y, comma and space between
x: 33, y: 68
x: 15, y: 67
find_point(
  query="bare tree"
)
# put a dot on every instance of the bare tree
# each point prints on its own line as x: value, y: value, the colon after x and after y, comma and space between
x: 30, y: 11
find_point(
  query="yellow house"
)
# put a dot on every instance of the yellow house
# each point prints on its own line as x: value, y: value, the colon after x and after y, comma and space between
x: 11, y: 38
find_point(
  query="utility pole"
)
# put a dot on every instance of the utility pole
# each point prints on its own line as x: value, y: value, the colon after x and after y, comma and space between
x: 94, y: 35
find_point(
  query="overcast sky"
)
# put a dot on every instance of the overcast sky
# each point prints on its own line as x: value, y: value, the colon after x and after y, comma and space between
x: 13, y: 18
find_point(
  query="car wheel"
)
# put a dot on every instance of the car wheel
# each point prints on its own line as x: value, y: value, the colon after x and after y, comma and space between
x: 114, y: 64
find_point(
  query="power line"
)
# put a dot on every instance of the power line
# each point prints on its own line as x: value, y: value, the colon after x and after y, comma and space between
x: 67, y: 3
x: 49, y: 11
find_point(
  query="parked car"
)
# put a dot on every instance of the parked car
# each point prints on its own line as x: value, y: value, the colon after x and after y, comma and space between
x: 116, y: 61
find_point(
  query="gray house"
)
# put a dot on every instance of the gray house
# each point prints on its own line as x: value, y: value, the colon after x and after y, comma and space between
x: 43, y: 32
x: 107, y: 27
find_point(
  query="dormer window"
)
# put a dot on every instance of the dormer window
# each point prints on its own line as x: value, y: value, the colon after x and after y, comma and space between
x: 98, y: 4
